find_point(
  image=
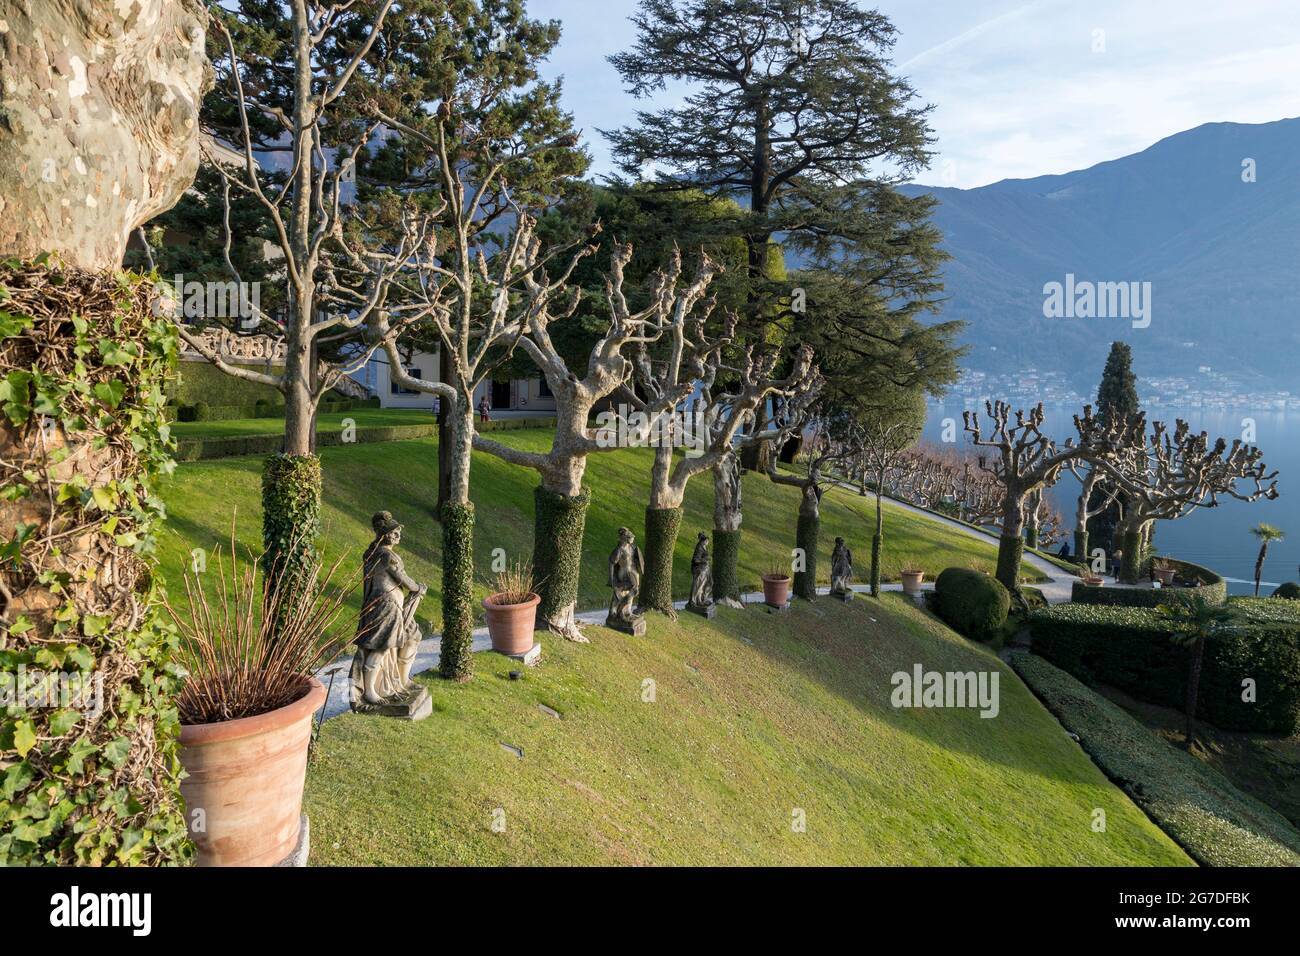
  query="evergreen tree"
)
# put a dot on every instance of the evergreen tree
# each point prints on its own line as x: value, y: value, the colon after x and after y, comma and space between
x: 1117, y: 400
x: 794, y: 112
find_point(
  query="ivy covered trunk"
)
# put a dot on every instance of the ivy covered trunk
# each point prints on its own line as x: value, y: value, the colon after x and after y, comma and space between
x: 1031, y: 537
x: 806, y: 535
x: 291, y: 493
x: 1011, y: 543
x: 457, y: 517
x: 1011, y: 550
x: 727, y: 518
x: 1081, y: 546
x: 558, y: 525
x: 89, y: 752
x: 661, y: 527
x: 1131, y: 562
x: 456, y: 661
x: 877, y: 544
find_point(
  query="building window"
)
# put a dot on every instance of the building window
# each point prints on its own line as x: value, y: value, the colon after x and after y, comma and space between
x: 543, y: 388
x: 398, y: 390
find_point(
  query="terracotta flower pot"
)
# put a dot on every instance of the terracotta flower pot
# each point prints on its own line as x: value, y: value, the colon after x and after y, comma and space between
x: 1164, y: 575
x: 776, y: 590
x: 243, y: 792
x: 511, y: 625
x: 912, y: 581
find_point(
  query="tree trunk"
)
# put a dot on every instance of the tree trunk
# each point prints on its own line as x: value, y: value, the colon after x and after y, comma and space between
x: 457, y: 517
x: 100, y: 107
x: 98, y: 134
x: 663, y: 519
x: 1081, y: 545
x: 1259, y: 566
x: 877, y: 543
x: 727, y: 518
x: 444, y: 441
x: 1011, y: 544
x: 806, y: 536
x: 1131, y: 563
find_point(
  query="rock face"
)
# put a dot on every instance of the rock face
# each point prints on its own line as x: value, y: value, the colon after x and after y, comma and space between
x: 99, y: 133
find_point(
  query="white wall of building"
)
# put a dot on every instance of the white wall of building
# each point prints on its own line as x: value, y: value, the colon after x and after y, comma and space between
x: 523, y: 395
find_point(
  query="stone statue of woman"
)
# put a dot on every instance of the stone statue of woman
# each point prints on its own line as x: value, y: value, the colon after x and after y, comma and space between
x: 625, y: 569
x: 701, y: 601
x: 388, y: 636
x: 841, y: 570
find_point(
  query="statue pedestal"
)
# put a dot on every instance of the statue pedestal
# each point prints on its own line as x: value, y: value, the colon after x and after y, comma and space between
x: 776, y: 608
x: 635, y: 627
x: 529, y: 658
x: 845, y: 596
x: 708, y: 610
x: 414, y: 706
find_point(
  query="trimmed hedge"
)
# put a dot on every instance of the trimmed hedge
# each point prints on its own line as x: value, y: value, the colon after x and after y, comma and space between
x: 972, y: 602
x: 204, y: 449
x: 263, y: 408
x: 1212, y: 820
x: 1290, y: 590
x: 1211, y: 587
x: 1131, y: 648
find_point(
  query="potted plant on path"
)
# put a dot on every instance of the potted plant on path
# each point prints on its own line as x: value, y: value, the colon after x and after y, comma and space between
x: 512, y: 610
x: 776, y: 586
x: 247, y: 703
x: 912, y: 576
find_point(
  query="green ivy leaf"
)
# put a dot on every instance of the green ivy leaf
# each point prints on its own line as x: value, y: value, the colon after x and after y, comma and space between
x: 24, y: 737
x: 111, y: 392
x: 62, y: 721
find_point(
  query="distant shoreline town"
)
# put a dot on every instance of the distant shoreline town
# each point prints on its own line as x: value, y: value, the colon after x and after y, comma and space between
x: 1208, y: 389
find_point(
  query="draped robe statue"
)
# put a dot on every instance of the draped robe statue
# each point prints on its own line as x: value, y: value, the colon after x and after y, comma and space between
x: 841, y: 570
x: 701, y: 601
x: 625, y: 569
x: 388, y: 636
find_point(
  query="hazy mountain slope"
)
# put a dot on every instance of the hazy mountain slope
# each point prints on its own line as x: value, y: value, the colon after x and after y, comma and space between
x: 1223, y: 255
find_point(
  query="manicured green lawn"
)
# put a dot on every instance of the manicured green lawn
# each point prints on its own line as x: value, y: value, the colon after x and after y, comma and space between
x: 327, y: 421
x: 756, y: 721
x: 401, y: 477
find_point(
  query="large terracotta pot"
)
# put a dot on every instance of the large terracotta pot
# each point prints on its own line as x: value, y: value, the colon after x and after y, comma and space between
x: 776, y: 590
x: 1164, y: 575
x: 912, y: 581
x: 511, y: 626
x: 247, y: 777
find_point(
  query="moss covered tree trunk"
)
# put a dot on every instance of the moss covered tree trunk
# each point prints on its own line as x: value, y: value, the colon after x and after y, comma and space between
x: 661, y: 527
x: 1081, y: 546
x: 1031, y: 538
x: 559, y: 521
x: 806, y: 536
x: 727, y: 517
x: 455, y: 660
x: 1011, y: 543
x: 1131, y: 562
x: 291, y: 492
x: 877, y: 544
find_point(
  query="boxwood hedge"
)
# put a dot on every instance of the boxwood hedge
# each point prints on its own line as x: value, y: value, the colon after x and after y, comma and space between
x: 1207, y: 584
x: 973, y: 603
x: 1132, y: 649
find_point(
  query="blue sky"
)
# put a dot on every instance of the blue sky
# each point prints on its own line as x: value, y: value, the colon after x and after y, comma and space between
x: 1020, y: 88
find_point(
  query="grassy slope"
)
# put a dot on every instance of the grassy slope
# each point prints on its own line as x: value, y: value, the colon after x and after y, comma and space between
x: 401, y: 477
x: 754, y: 715
x: 1194, y: 803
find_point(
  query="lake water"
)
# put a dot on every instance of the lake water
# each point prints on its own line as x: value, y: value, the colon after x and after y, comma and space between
x: 1219, y: 537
